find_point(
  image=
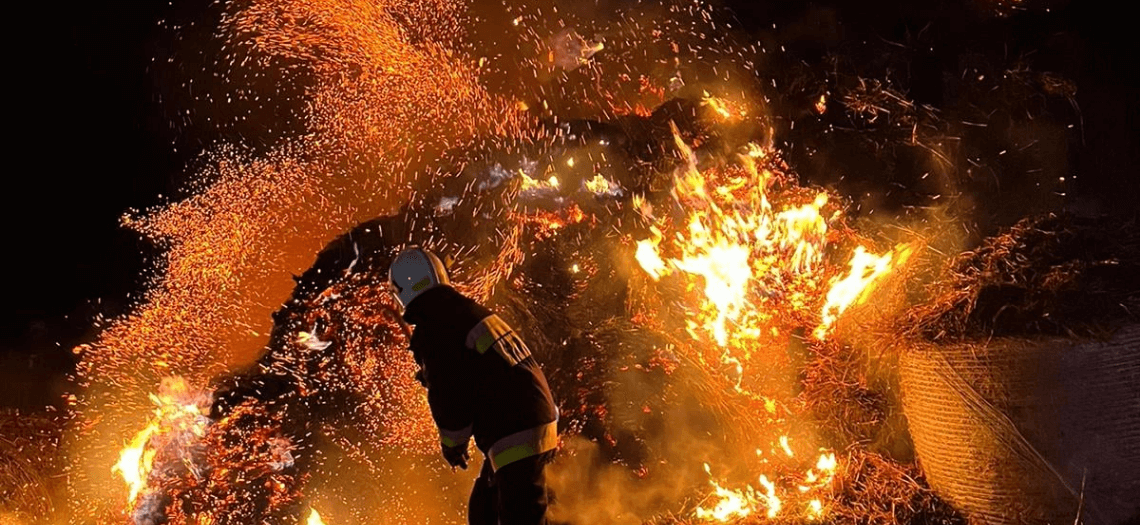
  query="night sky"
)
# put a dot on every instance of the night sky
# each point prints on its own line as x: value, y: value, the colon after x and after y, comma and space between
x: 97, y: 131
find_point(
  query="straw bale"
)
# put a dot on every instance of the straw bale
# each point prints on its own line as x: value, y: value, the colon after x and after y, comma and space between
x: 1041, y: 430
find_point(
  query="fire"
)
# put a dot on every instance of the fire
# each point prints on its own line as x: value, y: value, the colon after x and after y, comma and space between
x: 866, y: 269
x: 784, y: 445
x: 754, y: 251
x: 179, y: 415
x: 314, y: 518
x: 821, y: 104
x: 136, y: 461
x: 822, y: 474
x: 599, y: 185
x: 815, y: 509
x: 769, y: 497
x: 723, y: 108
x: 729, y: 505
x: 648, y: 257
x: 530, y: 184
x: 745, y: 254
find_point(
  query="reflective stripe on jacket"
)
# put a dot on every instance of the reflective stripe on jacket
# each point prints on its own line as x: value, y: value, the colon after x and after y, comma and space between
x: 493, y: 332
x: 524, y: 444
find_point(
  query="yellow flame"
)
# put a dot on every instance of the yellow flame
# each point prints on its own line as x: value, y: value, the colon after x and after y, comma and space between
x: 821, y: 104
x: 769, y: 496
x: 721, y: 106
x: 178, y: 409
x: 728, y: 505
x: 314, y: 518
x: 815, y: 509
x: 866, y: 269
x: 735, y: 244
x: 648, y: 257
x: 598, y: 185
x: 136, y: 461
x: 732, y: 504
x: 529, y: 183
x: 784, y: 445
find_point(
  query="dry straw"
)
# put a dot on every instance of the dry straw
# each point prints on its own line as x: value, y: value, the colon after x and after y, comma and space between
x: 1022, y: 384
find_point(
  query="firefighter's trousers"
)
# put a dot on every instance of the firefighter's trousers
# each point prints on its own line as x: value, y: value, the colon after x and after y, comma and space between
x: 514, y: 495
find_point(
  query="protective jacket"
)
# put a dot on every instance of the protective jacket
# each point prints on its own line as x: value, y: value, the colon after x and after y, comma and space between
x: 481, y: 378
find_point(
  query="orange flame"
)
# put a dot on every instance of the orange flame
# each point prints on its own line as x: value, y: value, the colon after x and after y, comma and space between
x: 729, y: 505
x: 179, y: 410
x: 136, y: 461
x: 866, y: 269
x: 756, y: 259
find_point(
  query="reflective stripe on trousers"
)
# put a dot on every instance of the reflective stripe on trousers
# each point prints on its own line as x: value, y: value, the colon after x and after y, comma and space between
x: 529, y: 442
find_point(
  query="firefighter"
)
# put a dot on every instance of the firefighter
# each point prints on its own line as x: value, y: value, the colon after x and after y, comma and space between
x: 482, y: 382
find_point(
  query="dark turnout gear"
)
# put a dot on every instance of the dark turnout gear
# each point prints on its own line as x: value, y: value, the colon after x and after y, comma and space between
x: 514, y: 495
x: 483, y: 382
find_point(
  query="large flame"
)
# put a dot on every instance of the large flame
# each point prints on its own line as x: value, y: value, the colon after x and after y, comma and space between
x: 744, y: 252
x: 761, y: 260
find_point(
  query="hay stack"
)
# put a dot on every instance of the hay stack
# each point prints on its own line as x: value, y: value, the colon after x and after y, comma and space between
x: 1022, y: 390
x: 1029, y: 431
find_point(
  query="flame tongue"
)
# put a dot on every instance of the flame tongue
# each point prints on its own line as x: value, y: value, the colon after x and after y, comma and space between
x: 866, y: 270
x: 136, y: 460
x: 179, y: 420
x: 752, y: 262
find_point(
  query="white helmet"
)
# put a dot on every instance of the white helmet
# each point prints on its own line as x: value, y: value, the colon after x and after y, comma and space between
x: 415, y: 271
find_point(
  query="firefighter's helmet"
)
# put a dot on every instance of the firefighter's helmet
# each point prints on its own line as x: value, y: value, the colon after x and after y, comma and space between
x: 415, y: 271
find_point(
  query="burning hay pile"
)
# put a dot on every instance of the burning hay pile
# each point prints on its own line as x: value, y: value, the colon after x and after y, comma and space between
x: 1022, y: 382
x: 665, y: 298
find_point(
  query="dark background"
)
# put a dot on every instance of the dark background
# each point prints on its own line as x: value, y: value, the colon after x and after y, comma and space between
x: 97, y: 130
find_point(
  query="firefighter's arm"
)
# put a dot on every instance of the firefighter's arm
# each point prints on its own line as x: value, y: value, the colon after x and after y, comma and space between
x: 450, y: 393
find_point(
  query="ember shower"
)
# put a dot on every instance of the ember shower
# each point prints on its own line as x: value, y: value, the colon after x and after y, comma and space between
x: 613, y: 184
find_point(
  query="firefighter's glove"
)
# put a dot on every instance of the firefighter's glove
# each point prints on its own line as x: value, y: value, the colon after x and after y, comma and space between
x: 456, y: 456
